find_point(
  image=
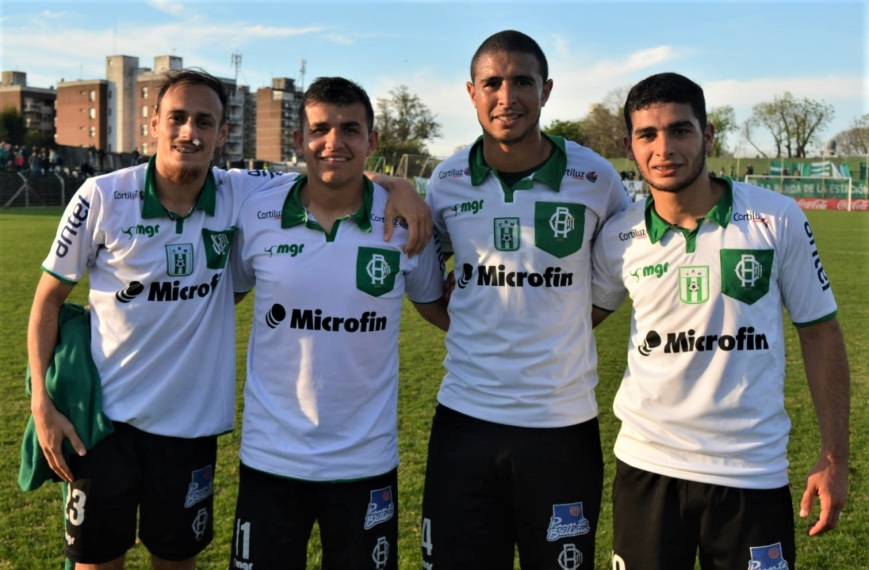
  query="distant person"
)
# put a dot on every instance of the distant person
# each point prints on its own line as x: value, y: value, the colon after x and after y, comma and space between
x: 721, y: 172
x: 514, y: 456
x: 134, y: 157
x: 709, y: 265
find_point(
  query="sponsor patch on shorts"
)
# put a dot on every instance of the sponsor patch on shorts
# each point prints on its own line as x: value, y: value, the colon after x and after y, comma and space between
x: 201, y: 486
x: 380, y: 507
x: 567, y: 520
x: 767, y: 557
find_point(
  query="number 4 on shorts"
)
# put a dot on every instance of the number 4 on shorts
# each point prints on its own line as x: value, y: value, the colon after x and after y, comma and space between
x: 426, y: 537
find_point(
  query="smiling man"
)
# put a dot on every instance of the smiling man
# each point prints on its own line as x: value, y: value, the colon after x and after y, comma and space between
x: 515, y: 456
x: 320, y: 436
x: 155, y: 240
x: 709, y: 264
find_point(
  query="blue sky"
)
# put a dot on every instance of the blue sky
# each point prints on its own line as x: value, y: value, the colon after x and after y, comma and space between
x: 741, y: 52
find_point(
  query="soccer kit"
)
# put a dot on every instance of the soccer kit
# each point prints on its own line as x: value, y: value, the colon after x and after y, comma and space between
x: 702, y: 399
x: 163, y: 341
x: 520, y: 357
x: 322, y: 375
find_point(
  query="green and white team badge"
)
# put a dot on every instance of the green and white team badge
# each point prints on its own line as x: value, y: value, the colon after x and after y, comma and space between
x: 694, y: 284
x: 559, y: 227
x: 179, y: 259
x: 745, y: 273
x: 376, y: 270
x: 217, y: 246
x: 507, y: 232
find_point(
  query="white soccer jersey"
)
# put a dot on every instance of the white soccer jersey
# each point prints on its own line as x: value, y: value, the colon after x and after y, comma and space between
x: 702, y: 398
x: 520, y: 349
x: 163, y: 330
x: 322, y: 368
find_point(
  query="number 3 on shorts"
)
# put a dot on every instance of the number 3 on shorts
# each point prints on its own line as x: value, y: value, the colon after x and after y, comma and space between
x: 426, y: 536
x: 75, y: 507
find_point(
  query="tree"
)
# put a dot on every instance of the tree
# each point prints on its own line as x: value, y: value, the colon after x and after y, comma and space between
x: 570, y: 130
x: 724, y: 119
x: 854, y: 141
x: 405, y: 124
x: 794, y: 124
x: 604, y: 125
x: 13, y: 126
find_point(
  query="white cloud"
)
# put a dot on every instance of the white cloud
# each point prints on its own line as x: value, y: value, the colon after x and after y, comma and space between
x: 340, y: 39
x: 167, y: 6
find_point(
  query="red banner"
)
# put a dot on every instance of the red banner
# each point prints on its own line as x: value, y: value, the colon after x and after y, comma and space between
x: 832, y: 204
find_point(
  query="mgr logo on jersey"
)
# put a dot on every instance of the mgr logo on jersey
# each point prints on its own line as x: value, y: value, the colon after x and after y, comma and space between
x: 559, y: 227
x: 507, y: 234
x: 217, y: 246
x: 745, y: 273
x: 179, y: 259
x: 767, y: 558
x: 694, y: 284
x: 376, y: 269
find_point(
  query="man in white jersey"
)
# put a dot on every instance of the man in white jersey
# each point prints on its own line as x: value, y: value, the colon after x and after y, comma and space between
x: 320, y: 437
x: 709, y: 263
x: 155, y: 240
x: 514, y: 456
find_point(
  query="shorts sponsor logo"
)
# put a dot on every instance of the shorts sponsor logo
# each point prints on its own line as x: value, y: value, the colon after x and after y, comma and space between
x: 73, y: 222
x: 270, y: 215
x: 559, y: 227
x: 767, y: 558
x: 570, y: 557
x: 745, y: 273
x: 160, y: 291
x: 581, y: 175
x: 134, y: 195
x: 822, y: 275
x: 694, y: 284
x: 381, y: 508
x: 507, y: 234
x: 179, y: 259
x: 657, y: 270
x: 315, y: 321
x: 201, y: 486
x: 141, y: 230
x: 633, y: 234
x: 567, y: 520
x: 200, y: 524
x: 746, y: 338
x: 380, y: 554
x: 132, y: 291
x: 291, y: 249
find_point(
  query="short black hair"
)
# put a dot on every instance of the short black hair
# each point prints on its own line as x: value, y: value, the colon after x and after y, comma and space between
x: 194, y: 76
x: 336, y: 91
x: 665, y: 88
x: 511, y: 41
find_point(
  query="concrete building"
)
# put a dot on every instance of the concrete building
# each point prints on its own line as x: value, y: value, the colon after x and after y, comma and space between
x: 34, y: 103
x: 83, y: 114
x: 277, y: 109
x: 121, y: 72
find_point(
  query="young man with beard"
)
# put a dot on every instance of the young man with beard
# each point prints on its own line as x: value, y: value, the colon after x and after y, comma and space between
x: 154, y: 240
x: 709, y: 263
x: 514, y: 456
x: 320, y: 435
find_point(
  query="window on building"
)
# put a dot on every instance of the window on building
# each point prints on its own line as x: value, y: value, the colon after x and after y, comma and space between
x: 92, y: 96
x: 92, y: 113
x: 92, y: 132
x: 144, y: 110
x: 144, y: 92
x: 144, y: 130
x: 144, y: 148
x: 109, y: 111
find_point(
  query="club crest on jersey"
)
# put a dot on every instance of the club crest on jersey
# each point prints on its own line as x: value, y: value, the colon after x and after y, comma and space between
x: 217, y: 246
x: 567, y: 520
x: 559, y: 227
x: 507, y: 234
x: 179, y: 259
x: 200, y: 487
x: 694, y: 284
x: 745, y: 273
x: 381, y: 508
x: 767, y: 558
x: 376, y: 269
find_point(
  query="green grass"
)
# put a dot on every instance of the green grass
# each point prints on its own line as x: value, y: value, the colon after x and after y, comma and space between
x: 31, y: 533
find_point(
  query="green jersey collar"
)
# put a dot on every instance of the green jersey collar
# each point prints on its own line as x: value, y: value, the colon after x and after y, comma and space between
x: 550, y: 174
x: 294, y: 214
x: 720, y: 213
x: 151, y: 206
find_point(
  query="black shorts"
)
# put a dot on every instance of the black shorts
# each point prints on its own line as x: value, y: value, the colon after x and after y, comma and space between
x: 490, y: 487
x: 168, y: 480
x: 662, y: 523
x: 274, y: 516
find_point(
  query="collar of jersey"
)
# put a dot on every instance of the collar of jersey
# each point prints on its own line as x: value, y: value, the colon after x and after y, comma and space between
x: 550, y: 174
x: 656, y: 226
x: 151, y: 206
x: 295, y: 214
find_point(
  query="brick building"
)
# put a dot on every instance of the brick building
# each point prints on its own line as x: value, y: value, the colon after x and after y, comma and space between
x: 277, y: 111
x: 83, y: 114
x: 34, y: 103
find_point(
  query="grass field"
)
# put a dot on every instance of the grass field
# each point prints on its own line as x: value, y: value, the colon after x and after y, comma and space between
x: 31, y: 530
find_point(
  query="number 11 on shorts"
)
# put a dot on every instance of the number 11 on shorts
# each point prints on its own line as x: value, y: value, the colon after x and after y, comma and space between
x: 242, y: 528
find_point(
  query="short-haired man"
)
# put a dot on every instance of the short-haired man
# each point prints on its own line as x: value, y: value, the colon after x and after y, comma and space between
x: 709, y: 263
x: 155, y: 240
x: 320, y: 436
x: 515, y: 456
